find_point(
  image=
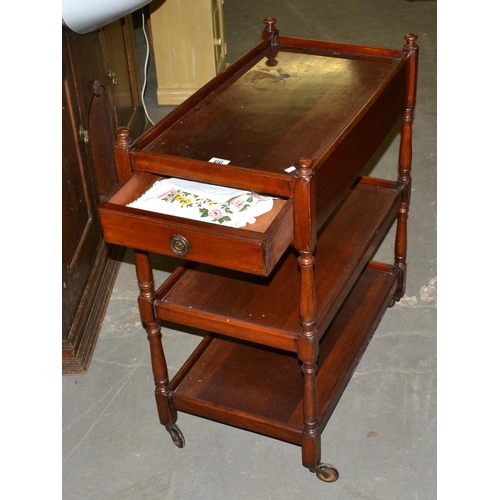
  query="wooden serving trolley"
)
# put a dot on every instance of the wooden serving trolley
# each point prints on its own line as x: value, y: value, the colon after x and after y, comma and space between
x: 289, y: 303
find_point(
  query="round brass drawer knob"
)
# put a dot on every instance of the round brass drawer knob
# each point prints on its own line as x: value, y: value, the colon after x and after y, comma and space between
x: 179, y: 245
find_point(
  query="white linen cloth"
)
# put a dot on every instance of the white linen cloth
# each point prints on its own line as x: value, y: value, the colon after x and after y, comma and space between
x: 204, y: 202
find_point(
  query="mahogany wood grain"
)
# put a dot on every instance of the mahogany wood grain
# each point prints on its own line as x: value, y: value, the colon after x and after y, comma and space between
x: 307, y: 345
x: 254, y: 117
x: 340, y: 165
x: 254, y: 248
x: 241, y: 384
x: 166, y: 413
x: 212, y: 173
x: 304, y: 197
x: 123, y: 141
x: 254, y: 120
x: 254, y: 308
x: 213, y: 85
x: 293, y: 301
x: 405, y: 160
x: 339, y: 48
x: 347, y: 337
x: 140, y: 181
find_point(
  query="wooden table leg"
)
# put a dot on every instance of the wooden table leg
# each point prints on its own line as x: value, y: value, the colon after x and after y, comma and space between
x: 166, y: 413
x: 405, y: 161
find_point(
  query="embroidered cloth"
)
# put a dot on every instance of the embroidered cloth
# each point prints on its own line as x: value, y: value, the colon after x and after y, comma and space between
x: 205, y: 202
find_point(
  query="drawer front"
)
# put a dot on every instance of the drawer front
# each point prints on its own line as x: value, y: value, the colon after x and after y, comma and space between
x: 238, y: 249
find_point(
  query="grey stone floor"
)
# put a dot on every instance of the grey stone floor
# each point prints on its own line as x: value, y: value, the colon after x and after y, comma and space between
x: 382, y: 435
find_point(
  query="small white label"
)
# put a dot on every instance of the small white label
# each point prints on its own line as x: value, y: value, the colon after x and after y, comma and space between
x: 290, y: 169
x: 220, y: 161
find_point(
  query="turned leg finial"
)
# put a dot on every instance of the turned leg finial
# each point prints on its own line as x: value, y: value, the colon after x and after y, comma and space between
x: 411, y: 40
x: 122, y: 138
x: 304, y: 171
x: 123, y: 141
x: 270, y: 31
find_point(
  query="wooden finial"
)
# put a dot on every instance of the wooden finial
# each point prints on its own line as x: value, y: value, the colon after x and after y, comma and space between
x: 122, y: 138
x: 270, y: 32
x: 123, y: 143
x: 304, y: 170
x: 411, y: 41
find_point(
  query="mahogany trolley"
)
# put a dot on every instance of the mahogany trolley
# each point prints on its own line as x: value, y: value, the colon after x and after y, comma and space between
x: 289, y: 303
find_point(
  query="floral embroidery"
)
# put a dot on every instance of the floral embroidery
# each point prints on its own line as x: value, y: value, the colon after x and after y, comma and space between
x: 209, y: 208
x: 204, y: 202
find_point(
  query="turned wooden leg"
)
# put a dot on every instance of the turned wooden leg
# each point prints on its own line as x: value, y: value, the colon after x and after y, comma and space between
x: 405, y: 161
x: 311, y: 441
x: 308, y: 344
x: 166, y: 413
x: 400, y: 250
x: 405, y: 157
x: 308, y: 354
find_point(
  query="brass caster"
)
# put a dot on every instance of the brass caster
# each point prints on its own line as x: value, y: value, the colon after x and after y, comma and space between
x: 391, y: 303
x: 176, y: 435
x: 326, y: 472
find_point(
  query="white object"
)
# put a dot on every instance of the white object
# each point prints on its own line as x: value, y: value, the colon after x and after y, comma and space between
x: 84, y: 16
x: 205, y: 202
x: 220, y: 161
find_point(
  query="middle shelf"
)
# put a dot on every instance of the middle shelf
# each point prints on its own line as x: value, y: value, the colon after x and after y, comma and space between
x: 265, y: 310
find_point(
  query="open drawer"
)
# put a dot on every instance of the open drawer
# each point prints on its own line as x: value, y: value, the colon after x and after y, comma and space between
x: 254, y: 248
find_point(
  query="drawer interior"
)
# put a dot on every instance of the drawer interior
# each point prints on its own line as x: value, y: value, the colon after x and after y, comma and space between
x: 254, y: 248
x: 140, y: 182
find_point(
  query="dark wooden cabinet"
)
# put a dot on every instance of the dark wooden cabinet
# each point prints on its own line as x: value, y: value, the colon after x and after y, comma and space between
x: 289, y: 306
x: 100, y: 91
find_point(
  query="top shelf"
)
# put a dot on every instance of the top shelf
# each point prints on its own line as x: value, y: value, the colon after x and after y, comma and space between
x: 283, y: 94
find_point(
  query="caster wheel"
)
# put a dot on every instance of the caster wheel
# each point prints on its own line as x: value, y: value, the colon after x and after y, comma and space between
x: 326, y: 472
x: 176, y: 435
x: 391, y: 303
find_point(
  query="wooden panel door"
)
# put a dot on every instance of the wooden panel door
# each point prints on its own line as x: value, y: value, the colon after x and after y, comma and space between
x: 81, y: 231
x: 93, y: 106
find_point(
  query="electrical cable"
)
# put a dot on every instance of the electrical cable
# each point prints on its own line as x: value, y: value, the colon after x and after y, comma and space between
x: 145, y: 68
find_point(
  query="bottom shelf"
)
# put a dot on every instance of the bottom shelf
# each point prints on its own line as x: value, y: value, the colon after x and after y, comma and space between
x: 261, y: 389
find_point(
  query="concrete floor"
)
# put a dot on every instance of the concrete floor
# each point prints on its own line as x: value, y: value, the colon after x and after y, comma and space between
x: 382, y: 435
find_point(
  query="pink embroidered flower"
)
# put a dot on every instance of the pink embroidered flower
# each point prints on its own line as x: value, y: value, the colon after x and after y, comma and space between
x: 216, y: 213
x: 239, y: 203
